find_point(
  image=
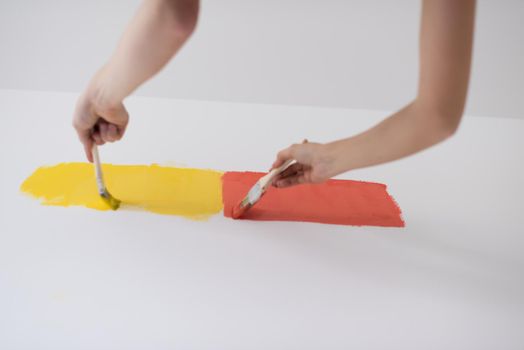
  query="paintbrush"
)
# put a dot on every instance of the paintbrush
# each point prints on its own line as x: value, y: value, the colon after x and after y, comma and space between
x: 257, y: 191
x: 111, y: 201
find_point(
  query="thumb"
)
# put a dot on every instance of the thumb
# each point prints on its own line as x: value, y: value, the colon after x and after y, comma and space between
x: 286, y: 154
x: 291, y: 152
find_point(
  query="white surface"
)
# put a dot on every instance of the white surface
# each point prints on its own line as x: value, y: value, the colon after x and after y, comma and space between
x: 74, y: 278
x: 334, y: 53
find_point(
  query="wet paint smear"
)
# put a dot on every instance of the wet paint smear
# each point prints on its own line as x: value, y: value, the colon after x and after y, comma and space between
x: 192, y: 193
x: 343, y: 202
x: 198, y: 194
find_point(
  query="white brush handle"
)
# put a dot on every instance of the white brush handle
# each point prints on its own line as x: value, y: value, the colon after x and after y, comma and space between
x: 266, y: 179
x: 98, y: 169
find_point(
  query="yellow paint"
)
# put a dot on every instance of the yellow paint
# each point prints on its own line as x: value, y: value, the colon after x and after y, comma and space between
x: 192, y: 193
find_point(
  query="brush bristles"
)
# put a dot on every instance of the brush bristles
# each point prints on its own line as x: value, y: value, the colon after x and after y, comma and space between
x: 111, y: 201
x: 240, y: 209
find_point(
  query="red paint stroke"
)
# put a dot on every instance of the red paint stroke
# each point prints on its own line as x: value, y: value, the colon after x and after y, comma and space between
x: 343, y: 202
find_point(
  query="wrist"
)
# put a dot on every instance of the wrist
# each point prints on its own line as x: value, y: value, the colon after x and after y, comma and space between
x: 100, y: 93
x: 338, y: 153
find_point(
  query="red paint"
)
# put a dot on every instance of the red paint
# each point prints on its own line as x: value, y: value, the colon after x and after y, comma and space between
x: 342, y: 202
x: 238, y: 211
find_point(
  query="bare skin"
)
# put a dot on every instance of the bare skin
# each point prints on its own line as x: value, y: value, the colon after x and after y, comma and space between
x: 161, y: 27
x: 446, y: 39
x: 155, y: 34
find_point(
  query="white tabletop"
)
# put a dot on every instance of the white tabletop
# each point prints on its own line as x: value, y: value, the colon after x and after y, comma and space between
x: 75, y: 278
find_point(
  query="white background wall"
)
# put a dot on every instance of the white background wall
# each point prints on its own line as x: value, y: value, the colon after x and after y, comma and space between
x: 339, y: 53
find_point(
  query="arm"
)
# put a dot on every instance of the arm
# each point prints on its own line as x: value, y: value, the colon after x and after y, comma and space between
x: 155, y: 34
x: 446, y: 38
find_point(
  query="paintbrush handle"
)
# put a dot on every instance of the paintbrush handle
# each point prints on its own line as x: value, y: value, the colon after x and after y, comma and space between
x: 266, y: 179
x: 283, y: 167
x: 274, y: 172
x: 98, y: 169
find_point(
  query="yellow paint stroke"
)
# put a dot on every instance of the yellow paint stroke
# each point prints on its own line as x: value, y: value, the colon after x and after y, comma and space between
x: 192, y: 193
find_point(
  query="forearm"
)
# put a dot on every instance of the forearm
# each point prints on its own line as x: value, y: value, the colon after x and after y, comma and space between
x: 410, y: 130
x: 446, y: 41
x: 445, y: 58
x: 154, y: 35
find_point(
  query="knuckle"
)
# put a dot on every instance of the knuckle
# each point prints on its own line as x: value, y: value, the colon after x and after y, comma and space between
x: 77, y: 123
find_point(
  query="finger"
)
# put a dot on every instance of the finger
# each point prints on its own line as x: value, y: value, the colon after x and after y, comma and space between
x: 88, y: 147
x: 102, y: 130
x: 291, y: 170
x: 283, y: 156
x: 288, y: 153
x: 111, y: 124
x: 97, y: 138
x: 108, y: 132
x: 87, y: 142
x: 296, y: 179
x: 118, y: 130
x: 112, y: 133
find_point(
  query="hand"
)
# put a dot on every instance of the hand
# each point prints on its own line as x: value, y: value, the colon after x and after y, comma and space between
x: 97, y: 120
x: 315, y: 163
